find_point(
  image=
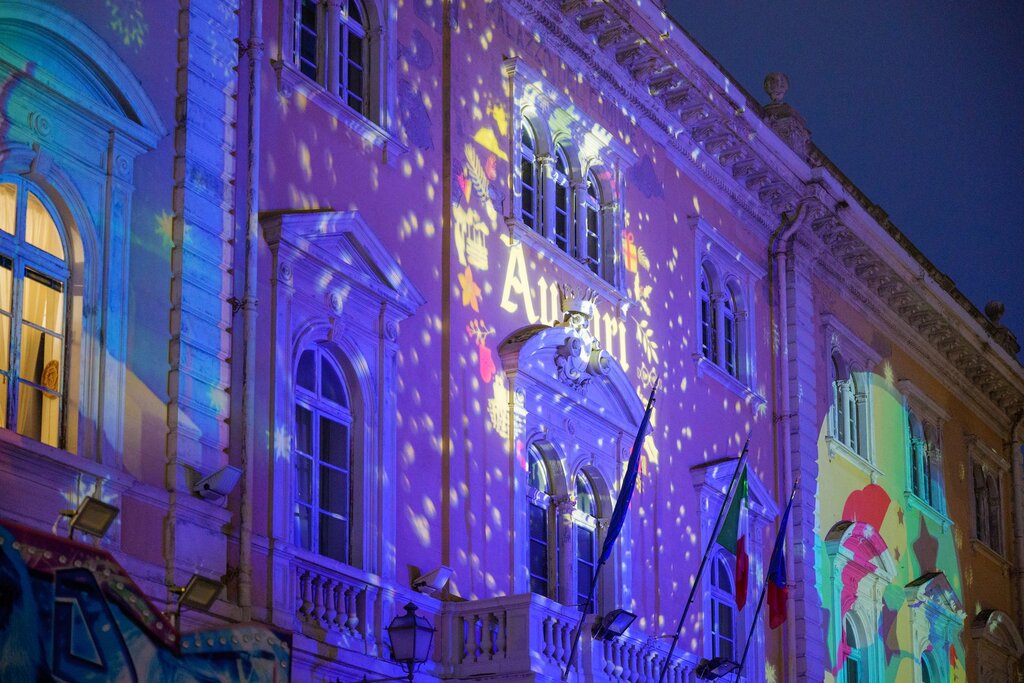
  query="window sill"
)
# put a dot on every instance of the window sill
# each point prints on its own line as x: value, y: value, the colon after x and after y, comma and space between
x: 518, y: 232
x: 733, y: 384
x: 983, y: 549
x: 837, y: 448
x: 924, y: 507
x: 290, y: 81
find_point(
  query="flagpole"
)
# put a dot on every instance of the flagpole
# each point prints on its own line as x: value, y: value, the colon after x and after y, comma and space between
x: 625, y: 493
x: 764, y: 589
x: 704, y: 558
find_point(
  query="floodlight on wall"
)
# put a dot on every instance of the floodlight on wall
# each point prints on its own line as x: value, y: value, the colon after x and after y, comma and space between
x: 713, y: 669
x: 199, y: 593
x: 433, y: 582
x: 92, y: 517
x: 411, y: 637
x: 219, y: 484
x: 613, y: 624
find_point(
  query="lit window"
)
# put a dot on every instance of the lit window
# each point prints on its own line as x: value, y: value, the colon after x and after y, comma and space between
x: 322, y: 457
x: 585, y: 522
x: 528, y: 176
x: 539, y: 493
x: 723, y: 609
x: 33, y: 281
x: 307, y: 32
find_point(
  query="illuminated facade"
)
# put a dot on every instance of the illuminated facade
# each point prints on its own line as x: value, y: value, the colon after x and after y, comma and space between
x: 412, y: 267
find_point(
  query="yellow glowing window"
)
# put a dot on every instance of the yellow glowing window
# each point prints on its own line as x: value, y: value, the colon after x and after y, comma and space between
x: 33, y: 313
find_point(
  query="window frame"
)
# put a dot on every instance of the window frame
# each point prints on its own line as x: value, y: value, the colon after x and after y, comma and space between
x: 720, y: 597
x: 987, y: 471
x: 376, y: 120
x: 723, y: 272
x: 25, y: 258
x: 589, y: 149
x: 849, y: 362
x: 320, y: 407
x: 585, y: 523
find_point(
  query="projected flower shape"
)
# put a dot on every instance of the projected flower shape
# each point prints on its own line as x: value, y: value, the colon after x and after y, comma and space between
x: 470, y: 289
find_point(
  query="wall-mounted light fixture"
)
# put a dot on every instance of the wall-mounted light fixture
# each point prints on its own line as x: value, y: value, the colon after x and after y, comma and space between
x: 613, y: 624
x: 219, y: 484
x: 199, y: 593
x: 92, y: 517
x: 713, y: 669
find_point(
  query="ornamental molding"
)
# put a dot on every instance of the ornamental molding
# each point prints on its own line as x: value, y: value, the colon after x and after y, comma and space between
x: 580, y: 358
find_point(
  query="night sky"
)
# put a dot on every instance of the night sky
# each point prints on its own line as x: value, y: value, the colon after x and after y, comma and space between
x: 921, y: 104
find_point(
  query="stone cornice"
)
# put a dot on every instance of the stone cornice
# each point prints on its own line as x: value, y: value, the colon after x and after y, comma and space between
x: 711, y: 127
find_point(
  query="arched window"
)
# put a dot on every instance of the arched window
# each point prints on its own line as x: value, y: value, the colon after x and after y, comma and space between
x: 528, y: 175
x: 332, y: 44
x: 322, y: 457
x: 929, y: 670
x: 847, y: 391
x: 723, y: 608
x: 592, y: 225
x: 33, y: 314
x: 562, y: 224
x: 585, y: 525
x: 854, y: 666
x: 981, y: 504
x: 708, y: 324
x: 730, y: 346
x: 352, y: 55
x: 539, y: 494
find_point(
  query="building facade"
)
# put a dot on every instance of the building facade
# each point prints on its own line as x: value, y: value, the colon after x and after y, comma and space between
x: 412, y: 268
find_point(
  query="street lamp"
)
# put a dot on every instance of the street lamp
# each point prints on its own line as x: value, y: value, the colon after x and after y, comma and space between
x: 411, y: 637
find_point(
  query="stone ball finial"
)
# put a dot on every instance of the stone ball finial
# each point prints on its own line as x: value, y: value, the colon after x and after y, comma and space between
x: 994, y: 310
x: 776, y: 84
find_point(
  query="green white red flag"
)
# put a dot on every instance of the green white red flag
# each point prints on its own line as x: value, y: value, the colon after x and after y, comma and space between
x: 733, y: 537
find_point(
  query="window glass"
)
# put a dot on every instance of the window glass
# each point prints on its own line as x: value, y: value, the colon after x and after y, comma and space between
x: 563, y: 234
x: 323, y: 442
x: 41, y: 230
x: 33, y: 278
x: 307, y: 54
x: 528, y: 178
x: 8, y: 207
x: 592, y: 206
x: 729, y: 333
x: 351, y: 55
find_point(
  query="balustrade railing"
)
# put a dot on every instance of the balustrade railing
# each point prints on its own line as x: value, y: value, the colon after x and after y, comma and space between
x: 521, y: 634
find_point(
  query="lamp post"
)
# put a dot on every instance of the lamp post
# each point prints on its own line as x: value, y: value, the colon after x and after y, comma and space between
x: 411, y: 637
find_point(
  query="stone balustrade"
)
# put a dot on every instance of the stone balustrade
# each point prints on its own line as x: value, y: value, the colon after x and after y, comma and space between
x: 517, y: 636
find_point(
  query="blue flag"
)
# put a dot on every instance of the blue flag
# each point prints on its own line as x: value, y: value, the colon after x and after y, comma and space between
x: 628, y: 483
x: 778, y: 588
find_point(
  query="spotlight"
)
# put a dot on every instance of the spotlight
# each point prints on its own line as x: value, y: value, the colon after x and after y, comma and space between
x: 218, y: 484
x: 713, y: 669
x: 92, y: 517
x: 613, y: 624
x: 199, y: 593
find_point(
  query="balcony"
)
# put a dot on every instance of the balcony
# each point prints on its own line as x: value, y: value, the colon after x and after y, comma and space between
x: 528, y: 637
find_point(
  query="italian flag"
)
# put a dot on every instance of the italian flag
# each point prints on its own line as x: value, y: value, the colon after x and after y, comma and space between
x: 730, y: 539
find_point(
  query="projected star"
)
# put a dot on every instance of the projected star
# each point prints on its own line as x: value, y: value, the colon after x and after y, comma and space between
x: 470, y: 289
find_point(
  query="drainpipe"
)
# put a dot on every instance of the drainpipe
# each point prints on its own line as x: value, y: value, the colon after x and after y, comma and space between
x: 254, y: 52
x: 780, y: 363
x: 1017, y: 460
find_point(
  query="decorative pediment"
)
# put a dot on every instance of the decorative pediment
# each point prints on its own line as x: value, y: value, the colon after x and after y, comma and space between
x: 564, y: 363
x: 933, y: 589
x: 712, y: 478
x: 342, y: 242
x: 76, y: 64
x: 997, y: 629
x: 860, y: 543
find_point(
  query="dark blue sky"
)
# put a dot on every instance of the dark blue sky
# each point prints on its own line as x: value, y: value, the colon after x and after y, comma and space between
x: 921, y: 104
